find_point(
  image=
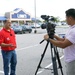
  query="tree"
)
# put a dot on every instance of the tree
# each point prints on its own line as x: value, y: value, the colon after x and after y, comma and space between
x: 57, y: 19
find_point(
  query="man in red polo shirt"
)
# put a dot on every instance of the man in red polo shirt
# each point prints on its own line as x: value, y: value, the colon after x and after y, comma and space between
x: 8, y: 45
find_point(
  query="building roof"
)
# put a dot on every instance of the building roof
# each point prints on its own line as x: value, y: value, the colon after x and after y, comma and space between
x: 16, y: 9
x: 2, y: 18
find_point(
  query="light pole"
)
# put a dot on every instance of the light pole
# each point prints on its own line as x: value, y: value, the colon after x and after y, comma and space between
x: 35, y: 31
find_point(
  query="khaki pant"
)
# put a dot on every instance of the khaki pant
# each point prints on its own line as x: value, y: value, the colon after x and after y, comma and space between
x: 70, y: 68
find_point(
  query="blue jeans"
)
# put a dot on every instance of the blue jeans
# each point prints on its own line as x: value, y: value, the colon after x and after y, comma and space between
x: 9, y: 60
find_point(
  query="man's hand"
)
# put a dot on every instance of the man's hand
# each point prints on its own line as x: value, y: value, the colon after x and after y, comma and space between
x: 11, y: 45
x: 7, y: 45
x: 46, y: 37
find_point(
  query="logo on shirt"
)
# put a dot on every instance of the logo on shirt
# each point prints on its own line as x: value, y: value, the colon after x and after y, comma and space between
x: 8, y: 38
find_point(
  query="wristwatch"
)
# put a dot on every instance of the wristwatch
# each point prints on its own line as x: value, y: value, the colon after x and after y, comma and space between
x: 48, y: 39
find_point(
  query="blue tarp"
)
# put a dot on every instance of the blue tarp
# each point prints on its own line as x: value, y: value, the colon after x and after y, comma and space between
x: 2, y: 18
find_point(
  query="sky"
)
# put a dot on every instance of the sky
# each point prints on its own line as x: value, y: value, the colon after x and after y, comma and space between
x: 55, y: 8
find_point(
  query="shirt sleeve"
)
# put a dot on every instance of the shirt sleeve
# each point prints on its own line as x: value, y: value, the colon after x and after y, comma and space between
x: 71, y: 37
x: 1, y: 38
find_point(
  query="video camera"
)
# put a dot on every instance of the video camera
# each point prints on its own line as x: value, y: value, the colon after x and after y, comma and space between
x: 49, y: 25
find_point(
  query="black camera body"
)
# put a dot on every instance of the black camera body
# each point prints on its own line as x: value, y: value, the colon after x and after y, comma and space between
x: 49, y: 25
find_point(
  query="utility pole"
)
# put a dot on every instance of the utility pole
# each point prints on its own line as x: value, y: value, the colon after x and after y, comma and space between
x: 35, y: 31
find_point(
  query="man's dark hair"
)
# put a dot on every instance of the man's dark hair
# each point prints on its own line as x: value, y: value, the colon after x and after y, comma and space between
x: 70, y: 12
x: 5, y: 21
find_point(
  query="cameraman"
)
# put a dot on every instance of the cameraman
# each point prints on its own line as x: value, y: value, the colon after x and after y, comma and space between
x: 68, y: 43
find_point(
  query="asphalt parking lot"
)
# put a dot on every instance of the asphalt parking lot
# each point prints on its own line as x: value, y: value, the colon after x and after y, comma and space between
x: 29, y: 54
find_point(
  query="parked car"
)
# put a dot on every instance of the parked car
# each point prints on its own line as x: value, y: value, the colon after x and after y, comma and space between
x: 35, y: 26
x: 17, y: 29
x: 26, y: 28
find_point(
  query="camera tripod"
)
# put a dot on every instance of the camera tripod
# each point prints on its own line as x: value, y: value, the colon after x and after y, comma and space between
x: 54, y: 56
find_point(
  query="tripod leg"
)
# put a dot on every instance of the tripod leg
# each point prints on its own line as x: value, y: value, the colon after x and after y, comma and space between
x: 54, y: 60
x: 59, y: 62
x: 42, y: 56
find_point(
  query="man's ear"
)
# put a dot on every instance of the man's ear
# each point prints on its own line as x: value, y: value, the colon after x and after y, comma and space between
x: 70, y: 18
